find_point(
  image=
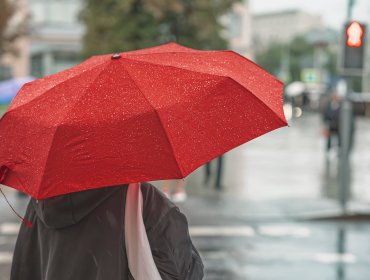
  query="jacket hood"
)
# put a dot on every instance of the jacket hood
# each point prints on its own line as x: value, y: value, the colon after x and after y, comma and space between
x: 66, y: 210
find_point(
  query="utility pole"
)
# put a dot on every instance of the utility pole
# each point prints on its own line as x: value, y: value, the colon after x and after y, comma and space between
x: 346, y: 114
x: 351, y: 3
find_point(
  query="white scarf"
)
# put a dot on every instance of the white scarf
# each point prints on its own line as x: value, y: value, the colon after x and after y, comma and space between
x: 139, y: 254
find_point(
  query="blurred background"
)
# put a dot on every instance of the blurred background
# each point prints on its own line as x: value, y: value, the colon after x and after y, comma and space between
x: 293, y: 204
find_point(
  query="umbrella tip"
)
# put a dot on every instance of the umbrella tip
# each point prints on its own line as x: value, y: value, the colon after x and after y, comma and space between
x: 116, y: 56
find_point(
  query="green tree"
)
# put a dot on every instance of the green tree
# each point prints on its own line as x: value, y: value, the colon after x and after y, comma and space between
x: 116, y: 25
x: 298, y: 54
x: 194, y: 23
x: 301, y: 56
x: 270, y: 58
x: 122, y: 25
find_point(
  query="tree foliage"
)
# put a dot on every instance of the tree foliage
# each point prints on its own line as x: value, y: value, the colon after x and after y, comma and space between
x: 270, y: 58
x: 298, y: 54
x: 122, y: 25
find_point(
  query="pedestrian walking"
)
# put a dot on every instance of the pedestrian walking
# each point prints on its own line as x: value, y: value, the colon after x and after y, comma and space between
x: 331, y: 118
x: 208, y: 173
x: 83, y: 235
x: 332, y: 122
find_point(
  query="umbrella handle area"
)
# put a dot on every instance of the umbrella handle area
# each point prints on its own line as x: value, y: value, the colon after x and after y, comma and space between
x: 26, y: 221
x: 3, y: 172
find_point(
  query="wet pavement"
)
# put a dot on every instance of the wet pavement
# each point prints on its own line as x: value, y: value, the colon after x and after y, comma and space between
x: 278, y: 215
x: 264, y: 223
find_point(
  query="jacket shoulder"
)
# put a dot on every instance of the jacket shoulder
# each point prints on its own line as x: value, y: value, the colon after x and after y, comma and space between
x: 168, y: 235
x: 155, y: 206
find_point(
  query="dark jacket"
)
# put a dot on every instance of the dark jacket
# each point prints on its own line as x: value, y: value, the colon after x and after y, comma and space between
x: 80, y: 236
x: 331, y: 117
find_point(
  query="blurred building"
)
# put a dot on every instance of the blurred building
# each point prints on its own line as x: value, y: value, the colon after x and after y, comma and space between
x: 283, y: 26
x: 55, y: 36
x: 54, y: 39
x: 239, y: 28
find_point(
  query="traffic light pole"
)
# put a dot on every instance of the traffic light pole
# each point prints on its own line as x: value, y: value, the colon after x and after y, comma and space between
x: 350, y: 9
x: 345, y: 146
x: 352, y: 65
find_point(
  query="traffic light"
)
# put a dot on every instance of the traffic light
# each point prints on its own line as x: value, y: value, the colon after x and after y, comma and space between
x: 353, y: 46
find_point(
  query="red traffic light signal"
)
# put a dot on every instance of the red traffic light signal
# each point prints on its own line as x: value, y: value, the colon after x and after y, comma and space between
x: 353, y: 46
x: 355, y: 33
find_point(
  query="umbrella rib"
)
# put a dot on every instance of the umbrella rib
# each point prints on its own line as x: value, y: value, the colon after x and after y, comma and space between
x: 227, y: 77
x: 257, y: 98
x: 62, y: 82
x: 160, y: 121
x: 201, y: 52
x: 67, y: 113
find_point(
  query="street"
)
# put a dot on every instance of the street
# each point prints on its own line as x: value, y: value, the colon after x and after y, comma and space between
x: 276, y: 215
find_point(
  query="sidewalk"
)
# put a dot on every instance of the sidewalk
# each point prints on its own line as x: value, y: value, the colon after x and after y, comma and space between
x: 284, y: 175
x: 269, y: 222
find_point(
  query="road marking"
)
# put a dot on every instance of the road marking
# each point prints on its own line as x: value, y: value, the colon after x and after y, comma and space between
x: 230, y: 231
x: 335, y: 258
x: 9, y: 228
x: 242, y: 231
x: 6, y: 257
x: 284, y: 230
x: 215, y: 255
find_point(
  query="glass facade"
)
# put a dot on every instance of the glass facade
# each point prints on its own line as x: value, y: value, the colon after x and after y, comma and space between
x: 61, y: 12
x: 5, y: 72
x: 56, y: 35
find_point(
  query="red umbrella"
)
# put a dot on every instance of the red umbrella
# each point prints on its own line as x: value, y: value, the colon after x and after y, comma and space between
x: 157, y: 113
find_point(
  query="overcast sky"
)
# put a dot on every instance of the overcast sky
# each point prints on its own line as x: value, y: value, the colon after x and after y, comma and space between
x: 333, y: 11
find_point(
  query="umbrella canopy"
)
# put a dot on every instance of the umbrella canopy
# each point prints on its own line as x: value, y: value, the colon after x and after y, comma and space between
x: 152, y: 114
x: 9, y: 88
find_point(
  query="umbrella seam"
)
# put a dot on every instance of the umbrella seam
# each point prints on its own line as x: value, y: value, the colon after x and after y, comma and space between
x: 145, y: 54
x: 24, y: 185
x: 223, y: 77
x: 160, y: 121
x: 67, y: 113
x: 62, y: 82
x: 258, y: 99
x: 283, y: 123
x: 139, y: 52
x: 196, y: 52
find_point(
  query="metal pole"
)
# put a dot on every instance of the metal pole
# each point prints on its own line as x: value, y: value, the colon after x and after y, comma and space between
x: 341, y: 250
x: 350, y: 8
x: 345, y: 142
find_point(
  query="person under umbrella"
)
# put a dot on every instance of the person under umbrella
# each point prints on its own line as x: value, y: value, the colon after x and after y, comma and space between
x: 152, y: 114
x: 83, y: 235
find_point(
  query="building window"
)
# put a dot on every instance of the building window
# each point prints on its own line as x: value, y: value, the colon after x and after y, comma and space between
x: 235, y: 25
x: 64, y: 60
x: 5, y: 72
x: 55, y: 12
x: 37, y: 66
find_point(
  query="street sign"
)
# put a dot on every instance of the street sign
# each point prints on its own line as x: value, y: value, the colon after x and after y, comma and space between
x: 310, y: 75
